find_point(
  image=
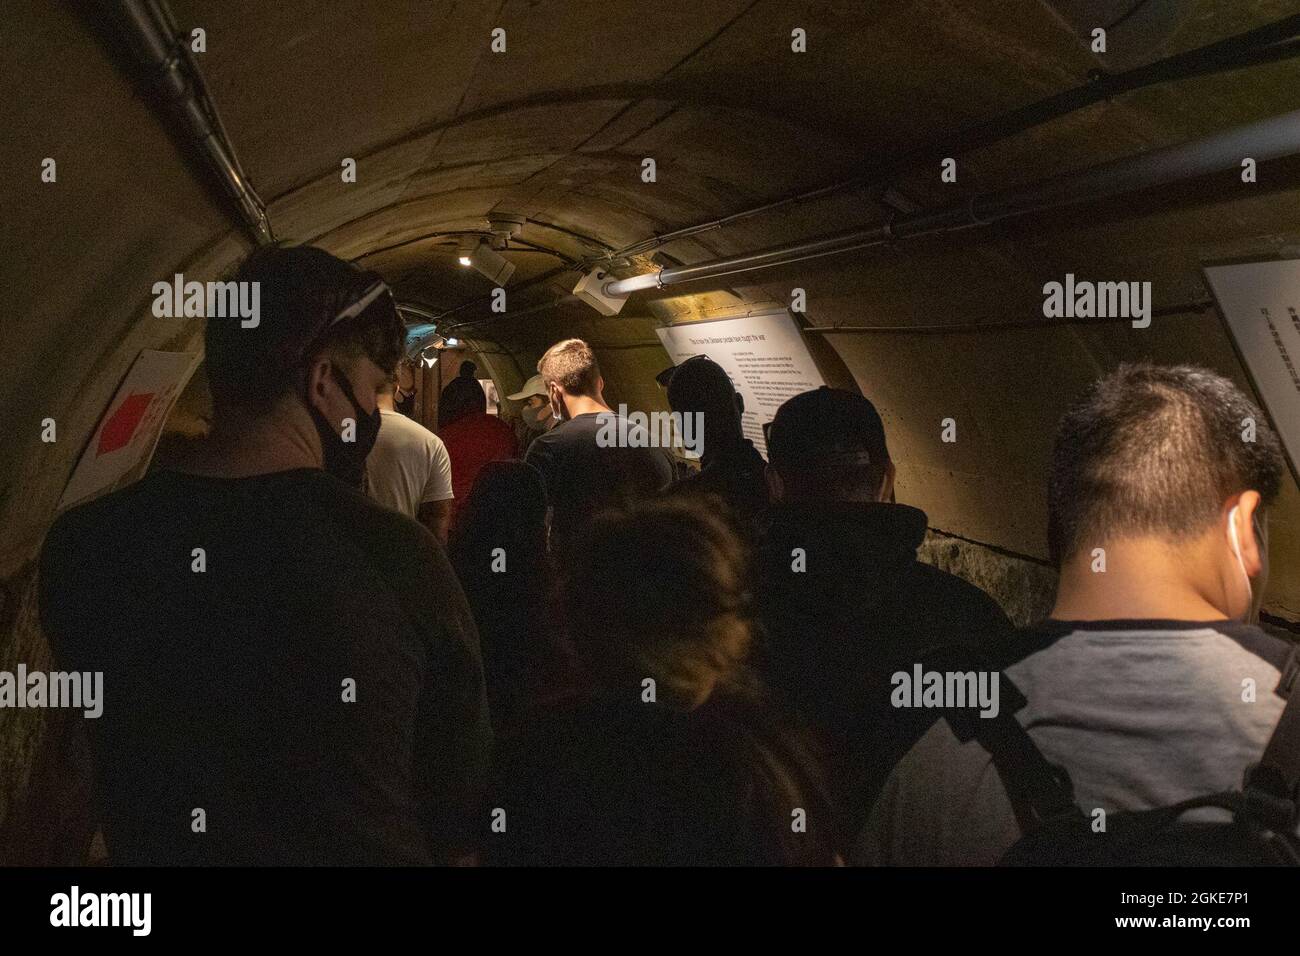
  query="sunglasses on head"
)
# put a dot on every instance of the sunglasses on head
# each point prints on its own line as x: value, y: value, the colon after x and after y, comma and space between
x: 373, y: 292
x: 359, y: 305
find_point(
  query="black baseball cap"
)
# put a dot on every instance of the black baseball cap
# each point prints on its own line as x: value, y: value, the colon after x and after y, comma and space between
x: 306, y: 297
x: 699, y: 383
x: 826, y: 423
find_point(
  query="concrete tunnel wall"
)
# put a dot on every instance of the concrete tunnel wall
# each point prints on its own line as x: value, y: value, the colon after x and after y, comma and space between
x: 445, y: 132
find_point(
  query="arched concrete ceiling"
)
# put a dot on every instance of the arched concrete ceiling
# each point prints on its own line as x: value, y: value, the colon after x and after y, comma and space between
x: 446, y: 132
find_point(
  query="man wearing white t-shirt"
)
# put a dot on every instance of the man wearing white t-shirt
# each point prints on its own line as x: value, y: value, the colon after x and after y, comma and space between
x: 408, y: 469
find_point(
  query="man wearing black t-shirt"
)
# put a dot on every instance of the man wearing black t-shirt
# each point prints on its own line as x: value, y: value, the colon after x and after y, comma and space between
x: 594, y: 457
x: 291, y: 673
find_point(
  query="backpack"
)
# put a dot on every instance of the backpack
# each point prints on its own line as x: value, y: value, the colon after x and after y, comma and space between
x: 1056, y: 832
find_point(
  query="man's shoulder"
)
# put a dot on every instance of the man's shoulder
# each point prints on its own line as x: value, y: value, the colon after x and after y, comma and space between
x: 955, y: 597
x: 127, y: 507
x: 943, y: 804
x: 564, y: 435
x: 1254, y: 640
x: 1201, y: 650
x: 480, y: 430
x: 365, y: 515
x: 548, y: 437
x: 397, y: 424
x: 494, y: 423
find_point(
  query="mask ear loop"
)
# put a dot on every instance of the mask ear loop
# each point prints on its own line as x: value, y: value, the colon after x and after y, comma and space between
x: 1236, y: 548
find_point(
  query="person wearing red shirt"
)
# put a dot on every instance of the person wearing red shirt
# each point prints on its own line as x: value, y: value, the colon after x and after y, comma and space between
x: 473, y: 439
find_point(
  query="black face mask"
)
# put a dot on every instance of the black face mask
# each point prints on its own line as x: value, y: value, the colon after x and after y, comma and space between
x: 346, y: 460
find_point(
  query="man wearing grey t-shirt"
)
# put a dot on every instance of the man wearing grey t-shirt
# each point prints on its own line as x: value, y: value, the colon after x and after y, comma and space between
x: 1146, y: 684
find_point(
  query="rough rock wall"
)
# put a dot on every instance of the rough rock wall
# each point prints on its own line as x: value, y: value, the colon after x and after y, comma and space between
x: 1024, y: 588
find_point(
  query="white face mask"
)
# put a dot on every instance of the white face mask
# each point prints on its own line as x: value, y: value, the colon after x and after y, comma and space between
x: 1236, y: 550
x: 558, y: 409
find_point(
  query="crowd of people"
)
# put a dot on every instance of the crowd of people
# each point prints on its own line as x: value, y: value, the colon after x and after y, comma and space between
x: 610, y: 663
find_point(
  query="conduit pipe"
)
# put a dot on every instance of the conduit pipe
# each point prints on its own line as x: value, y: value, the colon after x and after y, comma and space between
x: 156, y: 43
x: 1264, y: 140
x: 1266, y: 44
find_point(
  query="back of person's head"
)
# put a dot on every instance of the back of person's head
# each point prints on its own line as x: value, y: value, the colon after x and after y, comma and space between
x: 829, y: 445
x: 462, y: 396
x: 661, y: 594
x: 658, y: 590
x: 1156, y: 451
x: 506, y: 509
x: 701, y: 385
x: 301, y: 289
x: 571, y: 365
x: 616, y: 478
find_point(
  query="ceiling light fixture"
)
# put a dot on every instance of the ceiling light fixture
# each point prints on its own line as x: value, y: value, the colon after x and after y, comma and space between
x: 491, y: 263
x: 591, y: 290
x: 465, y: 249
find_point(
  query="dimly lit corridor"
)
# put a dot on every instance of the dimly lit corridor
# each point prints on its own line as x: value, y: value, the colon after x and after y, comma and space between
x: 893, y: 184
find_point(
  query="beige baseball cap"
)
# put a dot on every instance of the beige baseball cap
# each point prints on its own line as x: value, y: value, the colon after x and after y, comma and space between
x: 534, y: 386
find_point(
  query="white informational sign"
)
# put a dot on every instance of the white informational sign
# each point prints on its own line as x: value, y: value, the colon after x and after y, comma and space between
x: 764, y: 354
x: 129, y: 430
x: 1260, y: 301
x: 490, y: 393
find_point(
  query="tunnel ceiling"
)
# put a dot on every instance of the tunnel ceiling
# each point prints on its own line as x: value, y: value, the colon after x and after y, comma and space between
x: 446, y: 133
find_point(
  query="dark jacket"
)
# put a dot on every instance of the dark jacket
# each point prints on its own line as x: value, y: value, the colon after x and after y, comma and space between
x: 609, y: 780
x: 861, y: 609
x: 735, y: 475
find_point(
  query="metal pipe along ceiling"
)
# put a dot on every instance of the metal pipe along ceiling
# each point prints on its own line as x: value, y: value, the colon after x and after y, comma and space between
x: 156, y: 43
x: 1266, y: 139
x: 1266, y: 44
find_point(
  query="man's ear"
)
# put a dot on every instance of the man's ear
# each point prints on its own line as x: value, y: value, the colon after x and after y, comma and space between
x: 775, y: 486
x: 556, y: 396
x: 318, y: 376
x: 1248, y: 523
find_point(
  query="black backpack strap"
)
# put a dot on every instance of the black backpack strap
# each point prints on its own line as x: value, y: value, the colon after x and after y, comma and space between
x: 1272, y: 786
x: 1038, y: 789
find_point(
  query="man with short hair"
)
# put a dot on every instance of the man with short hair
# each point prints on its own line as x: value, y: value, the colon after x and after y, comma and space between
x: 584, y: 470
x: 730, y: 466
x: 1146, y: 684
x: 409, y: 469
x: 291, y: 672
x: 844, y: 601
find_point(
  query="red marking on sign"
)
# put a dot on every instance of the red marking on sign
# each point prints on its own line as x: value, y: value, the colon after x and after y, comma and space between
x: 121, y: 425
